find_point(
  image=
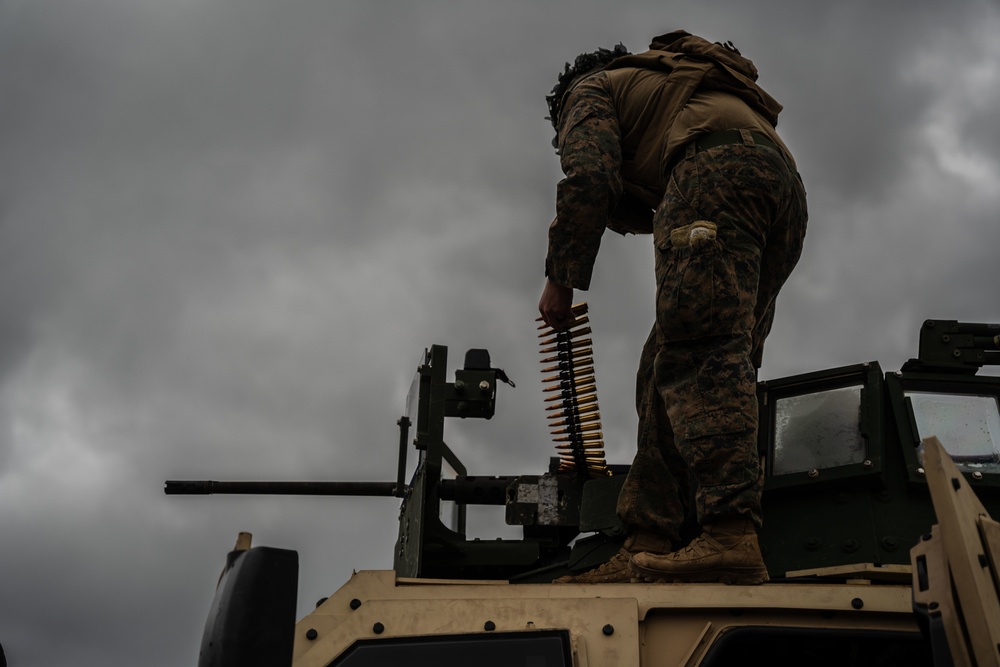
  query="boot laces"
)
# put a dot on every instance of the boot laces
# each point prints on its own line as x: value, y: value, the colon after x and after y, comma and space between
x: 703, y: 544
x: 616, y: 562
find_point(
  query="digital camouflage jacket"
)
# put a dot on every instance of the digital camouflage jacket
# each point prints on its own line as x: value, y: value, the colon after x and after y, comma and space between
x: 620, y: 128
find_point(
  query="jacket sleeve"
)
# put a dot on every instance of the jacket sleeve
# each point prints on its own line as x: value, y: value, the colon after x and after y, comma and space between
x: 590, y: 155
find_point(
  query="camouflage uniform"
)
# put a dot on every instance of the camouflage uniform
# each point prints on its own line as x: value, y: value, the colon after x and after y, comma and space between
x: 722, y: 254
x: 729, y: 221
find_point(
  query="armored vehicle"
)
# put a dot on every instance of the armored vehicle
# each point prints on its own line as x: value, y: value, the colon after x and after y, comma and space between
x: 879, y: 488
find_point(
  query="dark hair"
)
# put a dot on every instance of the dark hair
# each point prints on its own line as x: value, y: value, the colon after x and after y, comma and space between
x: 585, y: 63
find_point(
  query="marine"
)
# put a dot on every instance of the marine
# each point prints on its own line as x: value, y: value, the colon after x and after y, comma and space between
x: 679, y: 143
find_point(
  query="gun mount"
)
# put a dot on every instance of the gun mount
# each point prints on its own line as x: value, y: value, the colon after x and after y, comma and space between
x: 846, y: 499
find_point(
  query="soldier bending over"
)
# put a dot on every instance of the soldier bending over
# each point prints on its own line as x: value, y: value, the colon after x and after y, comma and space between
x: 679, y: 142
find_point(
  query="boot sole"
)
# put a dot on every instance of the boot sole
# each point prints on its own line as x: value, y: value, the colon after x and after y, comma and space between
x: 564, y: 580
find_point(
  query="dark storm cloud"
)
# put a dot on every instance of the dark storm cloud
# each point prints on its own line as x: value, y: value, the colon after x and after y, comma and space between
x: 228, y: 230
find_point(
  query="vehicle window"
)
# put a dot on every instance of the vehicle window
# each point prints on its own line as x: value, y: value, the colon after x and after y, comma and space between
x: 513, y: 649
x: 820, y: 647
x: 818, y: 430
x: 967, y: 425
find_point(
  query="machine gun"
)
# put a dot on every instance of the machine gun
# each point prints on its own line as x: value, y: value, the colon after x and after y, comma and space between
x: 552, y: 508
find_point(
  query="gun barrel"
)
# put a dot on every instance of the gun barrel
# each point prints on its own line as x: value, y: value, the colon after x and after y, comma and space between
x: 209, y: 487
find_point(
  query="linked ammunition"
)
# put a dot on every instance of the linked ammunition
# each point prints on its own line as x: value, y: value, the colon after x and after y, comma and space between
x: 598, y: 448
x: 575, y: 419
x: 566, y: 390
x: 578, y: 421
x: 597, y: 437
x: 567, y: 346
x: 568, y: 365
x: 587, y: 400
x: 582, y: 428
x: 572, y: 332
x: 580, y: 413
x: 577, y: 373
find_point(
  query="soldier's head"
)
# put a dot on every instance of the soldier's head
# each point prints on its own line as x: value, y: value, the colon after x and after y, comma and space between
x: 585, y: 63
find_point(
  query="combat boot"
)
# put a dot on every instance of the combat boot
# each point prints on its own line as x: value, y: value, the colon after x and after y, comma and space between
x: 616, y: 569
x: 726, y: 552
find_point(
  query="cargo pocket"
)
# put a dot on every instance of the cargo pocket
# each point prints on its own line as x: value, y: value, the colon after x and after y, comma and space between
x: 720, y: 446
x: 698, y: 292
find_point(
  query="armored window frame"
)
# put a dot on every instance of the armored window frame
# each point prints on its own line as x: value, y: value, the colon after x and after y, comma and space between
x: 868, y: 378
x: 899, y: 385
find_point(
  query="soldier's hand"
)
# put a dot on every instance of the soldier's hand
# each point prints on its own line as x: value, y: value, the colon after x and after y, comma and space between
x: 556, y: 305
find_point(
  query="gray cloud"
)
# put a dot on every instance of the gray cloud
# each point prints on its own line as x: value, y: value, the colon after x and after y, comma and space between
x: 228, y: 230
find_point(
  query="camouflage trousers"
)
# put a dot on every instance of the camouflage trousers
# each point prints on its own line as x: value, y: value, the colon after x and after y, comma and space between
x: 728, y: 233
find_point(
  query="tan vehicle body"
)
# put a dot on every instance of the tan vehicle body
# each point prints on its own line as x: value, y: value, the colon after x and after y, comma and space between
x: 610, y: 625
x: 661, y: 625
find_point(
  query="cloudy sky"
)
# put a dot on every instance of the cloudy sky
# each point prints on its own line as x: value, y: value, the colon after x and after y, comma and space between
x: 229, y: 228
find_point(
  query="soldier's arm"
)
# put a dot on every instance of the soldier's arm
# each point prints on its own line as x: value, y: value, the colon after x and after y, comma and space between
x: 590, y: 155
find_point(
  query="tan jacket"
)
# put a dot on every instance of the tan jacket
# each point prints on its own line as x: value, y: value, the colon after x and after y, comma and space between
x: 682, y: 88
x: 621, y: 129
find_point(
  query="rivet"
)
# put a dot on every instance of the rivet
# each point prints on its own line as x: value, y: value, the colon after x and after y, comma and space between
x: 977, y: 475
x: 489, y: 626
x: 889, y: 543
x: 378, y: 628
x: 811, y: 544
x: 484, y: 385
x: 868, y: 464
x: 355, y: 603
x: 857, y: 603
x: 850, y: 545
x: 608, y: 630
x: 311, y: 634
x: 920, y: 471
x: 813, y: 474
x: 321, y: 601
